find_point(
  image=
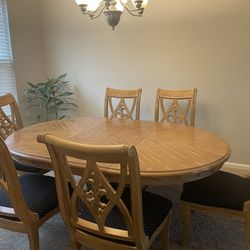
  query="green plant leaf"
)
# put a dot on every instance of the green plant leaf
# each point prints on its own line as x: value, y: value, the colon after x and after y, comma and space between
x: 63, y: 116
x: 50, y: 96
x: 67, y: 94
x: 32, y: 85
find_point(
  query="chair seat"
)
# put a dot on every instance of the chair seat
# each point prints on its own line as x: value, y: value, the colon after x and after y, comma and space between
x: 155, y: 210
x: 223, y: 190
x: 39, y: 193
x: 26, y: 168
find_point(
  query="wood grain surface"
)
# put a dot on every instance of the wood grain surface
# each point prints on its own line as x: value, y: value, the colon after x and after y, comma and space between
x: 168, y: 153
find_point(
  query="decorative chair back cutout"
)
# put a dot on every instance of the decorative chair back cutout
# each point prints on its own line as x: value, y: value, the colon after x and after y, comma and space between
x: 122, y: 104
x: 93, y: 198
x: 176, y: 106
x: 10, y: 116
x: 9, y: 184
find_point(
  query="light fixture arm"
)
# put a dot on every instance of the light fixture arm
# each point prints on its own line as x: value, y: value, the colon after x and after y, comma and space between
x: 93, y: 14
x: 138, y: 14
x: 139, y: 9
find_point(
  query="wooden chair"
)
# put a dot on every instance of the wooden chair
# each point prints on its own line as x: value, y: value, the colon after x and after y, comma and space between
x: 176, y: 106
x: 12, y: 122
x: 222, y: 193
x: 25, y: 202
x: 101, y: 215
x: 122, y: 109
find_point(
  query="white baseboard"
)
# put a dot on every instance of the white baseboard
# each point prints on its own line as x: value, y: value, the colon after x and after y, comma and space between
x: 237, y: 165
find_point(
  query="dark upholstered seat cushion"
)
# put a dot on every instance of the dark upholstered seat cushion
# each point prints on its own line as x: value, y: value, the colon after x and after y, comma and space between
x: 155, y: 209
x: 26, y: 168
x: 223, y: 190
x: 39, y: 193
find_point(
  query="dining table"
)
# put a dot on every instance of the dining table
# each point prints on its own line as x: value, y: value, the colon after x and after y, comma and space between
x: 168, y: 153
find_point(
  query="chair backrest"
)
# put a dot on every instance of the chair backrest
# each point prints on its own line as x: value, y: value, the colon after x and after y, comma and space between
x: 121, y: 108
x: 9, y: 183
x: 94, y: 191
x: 11, y: 121
x: 176, y: 106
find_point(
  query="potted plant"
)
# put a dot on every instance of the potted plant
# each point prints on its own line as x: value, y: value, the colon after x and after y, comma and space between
x: 51, y: 98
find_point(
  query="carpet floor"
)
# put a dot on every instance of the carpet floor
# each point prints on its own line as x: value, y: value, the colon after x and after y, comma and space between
x: 207, y: 232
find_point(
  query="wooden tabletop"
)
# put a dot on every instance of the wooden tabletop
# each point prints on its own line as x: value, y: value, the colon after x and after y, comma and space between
x: 167, y: 153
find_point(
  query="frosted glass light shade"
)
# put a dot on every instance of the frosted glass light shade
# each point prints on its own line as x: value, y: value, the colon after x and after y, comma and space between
x: 123, y: 1
x: 93, y: 5
x: 80, y: 2
x: 145, y: 3
x: 119, y: 6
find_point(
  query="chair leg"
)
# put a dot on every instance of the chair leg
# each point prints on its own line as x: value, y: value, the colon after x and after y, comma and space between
x: 75, y: 245
x: 247, y: 229
x: 186, y: 222
x: 33, y: 236
x: 165, y: 234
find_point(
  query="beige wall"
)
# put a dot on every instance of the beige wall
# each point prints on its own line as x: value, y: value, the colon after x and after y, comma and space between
x: 175, y: 45
x: 25, y: 25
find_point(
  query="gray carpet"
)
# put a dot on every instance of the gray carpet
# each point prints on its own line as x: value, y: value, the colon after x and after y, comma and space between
x: 207, y: 233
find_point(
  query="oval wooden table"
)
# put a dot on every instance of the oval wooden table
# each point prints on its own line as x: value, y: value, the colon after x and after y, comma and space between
x: 167, y: 153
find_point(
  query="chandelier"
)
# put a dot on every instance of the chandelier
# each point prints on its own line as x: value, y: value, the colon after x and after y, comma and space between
x: 112, y: 9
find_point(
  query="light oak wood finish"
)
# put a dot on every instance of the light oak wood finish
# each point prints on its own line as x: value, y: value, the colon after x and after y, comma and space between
x: 93, y: 187
x: 19, y: 218
x: 237, y: 170
x: 188, y: 206
x: 168, y: 153
x: 122, y: 109
x: 12, y: 122
x: 176, y: 106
